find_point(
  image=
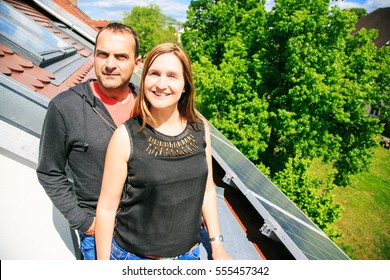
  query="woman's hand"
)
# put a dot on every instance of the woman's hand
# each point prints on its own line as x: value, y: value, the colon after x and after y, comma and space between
x: 218, y: 252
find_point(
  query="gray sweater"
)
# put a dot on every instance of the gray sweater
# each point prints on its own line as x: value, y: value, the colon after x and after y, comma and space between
x: 74, y: 140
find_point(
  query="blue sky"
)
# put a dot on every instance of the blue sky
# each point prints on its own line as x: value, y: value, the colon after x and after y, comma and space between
x: 114, y: 9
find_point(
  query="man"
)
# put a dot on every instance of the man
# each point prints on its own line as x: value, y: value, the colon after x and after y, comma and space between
x: 78, y: 126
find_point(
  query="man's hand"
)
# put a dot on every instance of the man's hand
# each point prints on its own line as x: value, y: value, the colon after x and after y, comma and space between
x: 91, y: 230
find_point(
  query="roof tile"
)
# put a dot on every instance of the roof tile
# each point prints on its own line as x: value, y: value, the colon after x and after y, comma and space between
x: 22, y: 61
x: 5, y: 49
x: 380, y: 20
x: 27, y: 80
x: 5, y: 70
x: 74, y: 10
x: 34, y: 77
x: 9, y: 62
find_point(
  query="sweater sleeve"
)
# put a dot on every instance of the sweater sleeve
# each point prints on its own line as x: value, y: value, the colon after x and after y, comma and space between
x: 51, y: 170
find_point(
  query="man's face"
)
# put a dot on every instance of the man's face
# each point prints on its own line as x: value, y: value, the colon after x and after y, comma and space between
x: 114, y: 59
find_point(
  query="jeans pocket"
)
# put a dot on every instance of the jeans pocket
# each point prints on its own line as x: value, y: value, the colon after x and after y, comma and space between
x: 87, y: 246
x: 196, y: 253
x: 116, y: 253
x: 191, y: 255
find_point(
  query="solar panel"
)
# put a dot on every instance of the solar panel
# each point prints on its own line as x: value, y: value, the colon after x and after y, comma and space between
x: 283, y: 219
x: 68, y: 19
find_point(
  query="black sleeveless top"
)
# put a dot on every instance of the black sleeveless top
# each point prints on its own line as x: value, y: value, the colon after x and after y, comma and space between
x: 160, y: 210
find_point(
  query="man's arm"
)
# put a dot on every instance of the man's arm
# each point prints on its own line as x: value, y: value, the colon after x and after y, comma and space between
x: 51, y: 170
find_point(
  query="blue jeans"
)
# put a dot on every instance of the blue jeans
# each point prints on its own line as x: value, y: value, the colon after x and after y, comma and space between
x: 118, y: 253
x: 87, y: 246
x: 204, y: 234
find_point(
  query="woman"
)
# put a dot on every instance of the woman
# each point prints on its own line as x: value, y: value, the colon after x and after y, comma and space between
x: 157, y: 182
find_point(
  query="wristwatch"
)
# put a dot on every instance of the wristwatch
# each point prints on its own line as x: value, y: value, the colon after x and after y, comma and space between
x: 220, y: 238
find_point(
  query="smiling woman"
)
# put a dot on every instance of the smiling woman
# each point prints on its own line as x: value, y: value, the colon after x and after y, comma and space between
x: 160, y: 214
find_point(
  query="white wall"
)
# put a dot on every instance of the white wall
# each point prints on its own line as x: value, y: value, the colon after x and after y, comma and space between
x: 31, y: 228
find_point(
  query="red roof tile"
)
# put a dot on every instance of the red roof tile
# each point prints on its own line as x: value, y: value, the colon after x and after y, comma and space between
x: 9, y: 62
x: 74, y: 10
x: 27, y: 80
x: 23, y: 62
x: 5, y: 70
x: 100, y: 23
x: 34, y: 77
x: 6, y: 50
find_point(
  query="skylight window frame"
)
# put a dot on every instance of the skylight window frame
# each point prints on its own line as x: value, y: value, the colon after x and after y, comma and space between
x: 52, y: 50
x: 68, y: 19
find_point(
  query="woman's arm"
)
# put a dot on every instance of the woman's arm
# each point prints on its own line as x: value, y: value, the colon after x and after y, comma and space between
x: 210, y: 207
x: 114, y: 177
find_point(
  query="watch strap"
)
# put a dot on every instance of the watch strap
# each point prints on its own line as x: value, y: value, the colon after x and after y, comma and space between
x: 215, y: 238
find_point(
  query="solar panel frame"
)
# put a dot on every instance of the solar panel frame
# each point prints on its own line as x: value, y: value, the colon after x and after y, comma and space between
x: 283, y: 219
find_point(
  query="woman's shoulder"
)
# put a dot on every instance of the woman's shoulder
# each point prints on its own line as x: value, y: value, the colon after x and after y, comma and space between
x: 133, y: 121
x: 201, y: 124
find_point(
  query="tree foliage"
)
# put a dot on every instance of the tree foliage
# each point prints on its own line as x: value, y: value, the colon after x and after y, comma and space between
x: 360, y: 12
x: 230, y: 103
x: 151, y: 26
x: 313, y: 196
x: 383, y: 83
x: 289, y: 86
x: 319, y: 79
x: 216, y: 41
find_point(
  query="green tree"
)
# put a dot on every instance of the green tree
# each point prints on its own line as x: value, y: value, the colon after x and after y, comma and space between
x: 383, y: 84
x: 216, y: 39
x: 151, y: 26
x: 230, y: 103
x: 313, y: 196
x: 205, y: 33
x: 318, y: 79
x: 210, y: 24
x: 360, y: 12
x: 290, y: 86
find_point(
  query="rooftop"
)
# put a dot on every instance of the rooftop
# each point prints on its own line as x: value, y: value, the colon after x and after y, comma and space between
x: 45, y: 48
x: 380, y: 20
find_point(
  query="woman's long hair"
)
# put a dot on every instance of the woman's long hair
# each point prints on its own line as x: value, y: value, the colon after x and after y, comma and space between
x: 186, y: 102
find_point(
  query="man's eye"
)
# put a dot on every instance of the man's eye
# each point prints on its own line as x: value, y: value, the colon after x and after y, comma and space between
x: 121, y: 57
x: 102, y: 55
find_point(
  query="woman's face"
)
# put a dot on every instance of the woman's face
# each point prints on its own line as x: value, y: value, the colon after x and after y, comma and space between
x: 164, y: 82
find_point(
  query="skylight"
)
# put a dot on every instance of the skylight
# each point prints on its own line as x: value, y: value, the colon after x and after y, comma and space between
x: 33, y: 40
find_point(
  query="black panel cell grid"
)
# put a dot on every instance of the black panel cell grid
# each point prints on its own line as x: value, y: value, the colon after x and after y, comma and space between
x: 312, y: 242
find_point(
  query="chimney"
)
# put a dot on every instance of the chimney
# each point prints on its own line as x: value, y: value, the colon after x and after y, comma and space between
x: 74, y: 2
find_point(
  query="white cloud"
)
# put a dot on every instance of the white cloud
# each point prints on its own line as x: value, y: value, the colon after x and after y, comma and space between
x: 369, y: 5
x: 114, y: 9
x: 269, y: 4
x: 105, y: 4
x: 372, y: 5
